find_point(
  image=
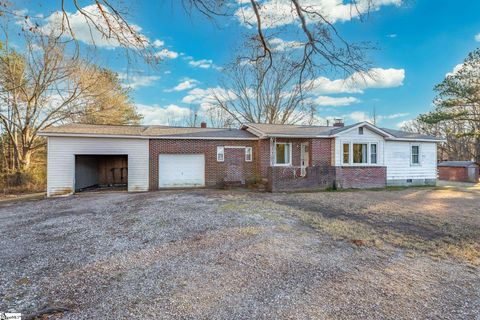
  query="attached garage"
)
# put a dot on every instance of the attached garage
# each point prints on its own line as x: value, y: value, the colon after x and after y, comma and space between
x: 181, y: 170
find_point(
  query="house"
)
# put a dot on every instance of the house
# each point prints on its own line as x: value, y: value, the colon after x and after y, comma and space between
x: 463, y: 171
x: 287, y: 156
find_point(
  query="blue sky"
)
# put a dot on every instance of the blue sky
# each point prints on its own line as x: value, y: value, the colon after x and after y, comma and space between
x: 418, y: 43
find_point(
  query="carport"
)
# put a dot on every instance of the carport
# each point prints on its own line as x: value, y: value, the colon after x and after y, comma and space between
x: 101, y: 171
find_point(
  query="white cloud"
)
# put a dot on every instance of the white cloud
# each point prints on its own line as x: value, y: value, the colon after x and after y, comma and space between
x: 136, y: 81
x: 392, y: 35
x: 185, y: 84
x: 276, y: 13
x: 358, y: 116
x: 358, y: 82
x: 278, y: 44
x: 207, y: 97
x: 170, y: 114
x: 333, y: 101
x: 158, y: 43
x: 454, y: 70
x: 404, y: 123
x: 393, y: 116
x: 477, y: 37
x: 202, y: 64
x: 166, y: 54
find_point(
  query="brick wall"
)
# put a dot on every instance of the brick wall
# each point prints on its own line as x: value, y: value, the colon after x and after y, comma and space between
x: 361, y: 177
x: 321, y: 152
x: 233, y: 167
x: 289, y: 179
x: 455, y: 174
x: 263, y: 157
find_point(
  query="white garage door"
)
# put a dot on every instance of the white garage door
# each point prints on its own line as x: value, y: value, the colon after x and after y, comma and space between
x: 181, y: 170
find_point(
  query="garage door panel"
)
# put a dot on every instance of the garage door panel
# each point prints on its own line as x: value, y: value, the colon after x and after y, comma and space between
x: 181, y: 170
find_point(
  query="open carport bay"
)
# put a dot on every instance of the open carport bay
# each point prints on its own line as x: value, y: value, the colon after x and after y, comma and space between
x: 100, y: 171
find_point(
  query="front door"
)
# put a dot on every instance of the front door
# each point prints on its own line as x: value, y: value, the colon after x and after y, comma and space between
x: 304, y: 158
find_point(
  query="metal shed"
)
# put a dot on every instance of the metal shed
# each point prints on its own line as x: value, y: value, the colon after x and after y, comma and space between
x: 464, y: 171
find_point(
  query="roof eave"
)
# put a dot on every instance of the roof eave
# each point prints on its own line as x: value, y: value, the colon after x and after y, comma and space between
x: 415, y: 139
x: 118, y: 136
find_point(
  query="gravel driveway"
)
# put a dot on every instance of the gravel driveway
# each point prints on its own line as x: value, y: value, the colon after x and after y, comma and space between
x: 242, y: 255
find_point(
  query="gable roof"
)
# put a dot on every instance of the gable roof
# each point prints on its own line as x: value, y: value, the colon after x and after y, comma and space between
x: 309, y: 131
x: 147, y: 132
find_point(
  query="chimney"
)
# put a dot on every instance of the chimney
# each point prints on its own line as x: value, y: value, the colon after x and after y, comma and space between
x: 338, y: 123
x: 203, y: 124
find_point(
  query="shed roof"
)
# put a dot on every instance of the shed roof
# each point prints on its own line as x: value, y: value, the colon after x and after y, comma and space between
x: 458, y: 164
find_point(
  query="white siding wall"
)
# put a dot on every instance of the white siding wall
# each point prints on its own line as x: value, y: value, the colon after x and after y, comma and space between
x: 352, y: 136
x: 397, y: 157
x: 61, y: 160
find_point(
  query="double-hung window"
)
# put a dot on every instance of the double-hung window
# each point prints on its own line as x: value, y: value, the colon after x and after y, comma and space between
x: 415, y: 154
x: 373, y: 153
x: 360, y: 153
x: 248, y: 154
x: 346, y: 153
x: 283, y: 154
x: 220, y: 154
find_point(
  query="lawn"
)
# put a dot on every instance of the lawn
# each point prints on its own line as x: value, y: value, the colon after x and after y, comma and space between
x: 409, y: 253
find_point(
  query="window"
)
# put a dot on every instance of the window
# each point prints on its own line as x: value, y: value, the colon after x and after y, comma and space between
x: 248, y: 154
x: 359, y: 153
x: 360, y: 130
x: 283, y: 154
x: 220, y: 154
x: 415, y: 154
x: 346, y: 153
x: 373, y: 153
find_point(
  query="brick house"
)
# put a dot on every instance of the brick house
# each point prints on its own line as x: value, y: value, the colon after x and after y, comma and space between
x: 288, y: 157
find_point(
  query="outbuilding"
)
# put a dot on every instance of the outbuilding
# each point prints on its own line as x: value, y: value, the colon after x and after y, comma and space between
x: 463, y: 171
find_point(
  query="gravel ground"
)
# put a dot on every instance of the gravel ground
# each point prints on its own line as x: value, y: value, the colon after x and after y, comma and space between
x: 242, y: 255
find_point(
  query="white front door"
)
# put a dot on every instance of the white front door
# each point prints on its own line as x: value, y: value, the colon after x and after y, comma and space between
x: 304, y: 158
x: 181, y: 170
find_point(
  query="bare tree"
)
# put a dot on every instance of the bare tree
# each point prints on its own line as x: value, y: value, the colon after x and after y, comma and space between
x: 250, y: 94
x: 39, y: 88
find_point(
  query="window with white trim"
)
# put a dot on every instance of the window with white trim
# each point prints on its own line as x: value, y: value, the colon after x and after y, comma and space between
x: 373, y: 153
x: 248, y: 154
x: 220, y: 153
x: 359, y: 152
x: 415, y: 154
x: 283, y: 154
x: 346, y: 153
x: 360, y: 130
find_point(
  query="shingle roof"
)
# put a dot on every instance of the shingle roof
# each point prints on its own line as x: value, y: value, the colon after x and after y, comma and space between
x: 290, y: 129
x: 409, y: 135
x: 148, y: 131
x: 313, y: 131
x: 461, y: 164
